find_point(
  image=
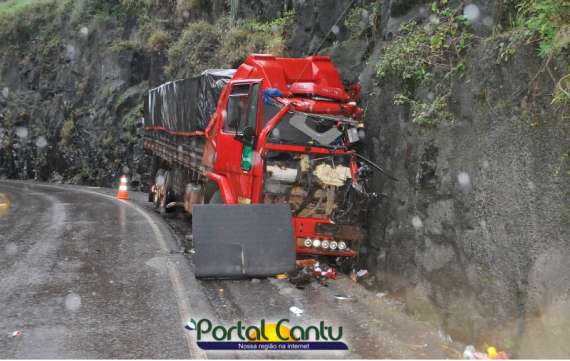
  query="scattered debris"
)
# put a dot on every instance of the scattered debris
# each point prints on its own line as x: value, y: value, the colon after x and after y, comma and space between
x: 255, y: 280
x: 444, y: 337
x: 324, y: 271
x: 16, y: 333
x: 190, y: 325
x: 343, y: 297
x: 362, y: 273
x: 471, y: 353
x: 381, y: 294
x: 302, y: 263
x: 301, y: 277
x: 296, y: 310
x: 417, y: 347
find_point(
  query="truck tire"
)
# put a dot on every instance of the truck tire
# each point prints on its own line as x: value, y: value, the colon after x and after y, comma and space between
x: 216, y: 198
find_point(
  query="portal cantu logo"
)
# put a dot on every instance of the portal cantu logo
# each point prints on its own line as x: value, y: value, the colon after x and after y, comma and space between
x: 280, y: 335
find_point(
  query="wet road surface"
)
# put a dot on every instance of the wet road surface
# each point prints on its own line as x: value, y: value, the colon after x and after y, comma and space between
x: 83, y: 275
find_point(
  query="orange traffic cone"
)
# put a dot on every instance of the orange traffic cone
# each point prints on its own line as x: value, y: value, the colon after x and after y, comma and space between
x: 123, y: 192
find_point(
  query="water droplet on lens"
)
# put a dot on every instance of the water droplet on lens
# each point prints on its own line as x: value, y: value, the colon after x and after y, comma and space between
x: 488, y: 21
x: 72, y: 302
x: 471, y: 12
x: 464, y: 181
x: 11, y: 249
x: 417, y: 222
x: 41, y: 141
x: 22, y: 132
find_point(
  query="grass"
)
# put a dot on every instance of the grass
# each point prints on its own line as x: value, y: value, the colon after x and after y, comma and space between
x: 11, y: 7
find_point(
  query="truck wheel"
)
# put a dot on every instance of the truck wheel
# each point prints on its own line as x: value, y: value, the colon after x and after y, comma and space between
x: 216, y: 198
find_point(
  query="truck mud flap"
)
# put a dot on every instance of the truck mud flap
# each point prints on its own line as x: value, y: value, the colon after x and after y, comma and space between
x: 240, y: 241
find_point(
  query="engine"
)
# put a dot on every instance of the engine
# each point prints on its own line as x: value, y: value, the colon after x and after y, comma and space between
x: 315, y: 186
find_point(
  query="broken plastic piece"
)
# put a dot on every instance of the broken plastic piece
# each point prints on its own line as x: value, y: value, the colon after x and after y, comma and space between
x: 362, y: 273
x: 296, y: 310
x: 343, y: 297
x: 190, y: 325
x: 300, y: 263
x: 16, y: 333
x: 301, y: 277
x: 324, y: 272
x: 469, y: 353
x: 281, y: 276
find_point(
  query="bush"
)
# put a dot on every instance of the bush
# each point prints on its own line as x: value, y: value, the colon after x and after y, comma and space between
x: 194, y: 51
x: 363, y: 20
x: 420, y: 54
x: 253, y: 37
x: 158, y: 40
x: 548, y: 21
x: 24, y: 20
x: 203, y: 45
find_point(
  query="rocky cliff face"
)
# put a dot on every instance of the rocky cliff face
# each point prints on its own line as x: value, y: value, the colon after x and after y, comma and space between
x: 474, y: 235
x: 478, y: 222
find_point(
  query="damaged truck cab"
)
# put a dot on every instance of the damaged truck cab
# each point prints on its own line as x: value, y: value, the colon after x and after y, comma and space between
x: 285, y: 130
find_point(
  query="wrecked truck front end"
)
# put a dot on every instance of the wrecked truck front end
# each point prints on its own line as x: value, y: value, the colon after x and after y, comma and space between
x: 309, y: 161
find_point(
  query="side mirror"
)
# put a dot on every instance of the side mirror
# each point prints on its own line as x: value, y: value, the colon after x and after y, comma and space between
x: 247, y: 136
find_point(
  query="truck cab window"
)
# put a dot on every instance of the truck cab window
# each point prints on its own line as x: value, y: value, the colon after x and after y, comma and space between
x: 242, y: 108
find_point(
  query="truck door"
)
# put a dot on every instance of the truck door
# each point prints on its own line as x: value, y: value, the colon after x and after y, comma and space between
x: 233, y: 157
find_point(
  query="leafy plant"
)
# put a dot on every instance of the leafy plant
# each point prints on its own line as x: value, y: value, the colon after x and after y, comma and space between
x: 193, y: 51
x: 158, y: 40
x: 425, y: 113
x: 420, y: 54
x: 548, y: 21
x: 362, y: 20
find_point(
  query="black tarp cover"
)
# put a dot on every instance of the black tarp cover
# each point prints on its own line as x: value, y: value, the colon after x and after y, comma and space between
x: 186, y: 105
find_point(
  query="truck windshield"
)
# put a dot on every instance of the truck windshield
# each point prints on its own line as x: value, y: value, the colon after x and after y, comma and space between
x: 303, y: 129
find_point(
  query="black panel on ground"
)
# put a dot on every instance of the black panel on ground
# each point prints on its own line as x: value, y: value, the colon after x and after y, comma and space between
x: 238, y: 241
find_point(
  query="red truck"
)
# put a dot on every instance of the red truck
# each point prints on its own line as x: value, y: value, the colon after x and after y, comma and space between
x: 276, y: 130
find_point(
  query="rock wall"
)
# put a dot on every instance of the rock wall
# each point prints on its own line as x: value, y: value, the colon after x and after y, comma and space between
x: 71, y: 102
x: 473, y: 236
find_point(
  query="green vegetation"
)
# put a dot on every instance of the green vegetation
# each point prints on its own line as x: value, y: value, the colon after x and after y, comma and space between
x: 67, y: 131
x: 158, y: 40
x: 547, y: 21
x: 22, y: 21
x: 425, y: 113
x: 202, y: 44
x: 421, y: 54
x: 14, y: 6
x: 123, y: 45
x: 544, y: 22
x: 253, y: 37
x: 193, y: 51
x: 362, y: 20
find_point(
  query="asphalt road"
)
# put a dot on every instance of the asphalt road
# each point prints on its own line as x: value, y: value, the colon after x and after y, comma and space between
x: 83, y: 275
